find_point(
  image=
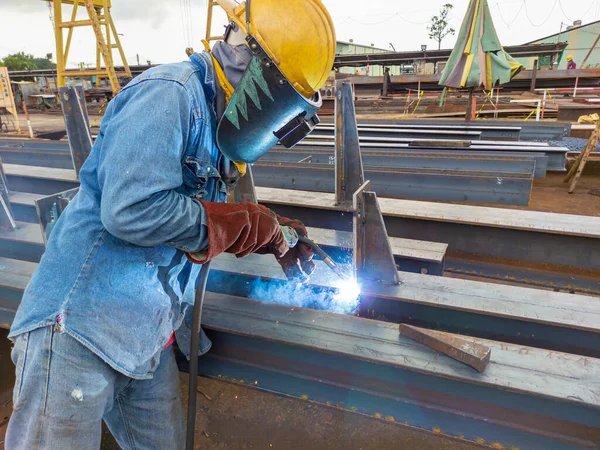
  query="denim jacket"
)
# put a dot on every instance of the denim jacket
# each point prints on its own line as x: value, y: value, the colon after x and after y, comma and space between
x: 114, y: 275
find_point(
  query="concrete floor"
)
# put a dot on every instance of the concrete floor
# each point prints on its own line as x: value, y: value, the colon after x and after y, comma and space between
x: 234, y: 417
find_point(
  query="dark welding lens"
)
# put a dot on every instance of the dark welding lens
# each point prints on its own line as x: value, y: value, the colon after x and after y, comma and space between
x: 296, y: 130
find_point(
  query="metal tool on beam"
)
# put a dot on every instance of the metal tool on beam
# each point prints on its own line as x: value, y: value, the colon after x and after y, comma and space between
x: 465, y: 351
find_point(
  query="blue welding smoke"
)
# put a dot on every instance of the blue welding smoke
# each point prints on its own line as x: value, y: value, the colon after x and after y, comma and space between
x: 342, y: 299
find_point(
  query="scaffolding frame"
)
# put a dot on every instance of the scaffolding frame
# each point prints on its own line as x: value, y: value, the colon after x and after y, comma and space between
x: 107, y: 39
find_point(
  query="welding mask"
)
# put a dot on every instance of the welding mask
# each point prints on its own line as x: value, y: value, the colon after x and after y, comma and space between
x: 276, y: 100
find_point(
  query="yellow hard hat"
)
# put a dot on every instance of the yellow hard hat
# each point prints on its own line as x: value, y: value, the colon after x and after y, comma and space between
x: 570, y: 58
x: 298, y: 35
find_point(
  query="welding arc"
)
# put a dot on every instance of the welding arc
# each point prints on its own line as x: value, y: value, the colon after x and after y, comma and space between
x: 324, y: 256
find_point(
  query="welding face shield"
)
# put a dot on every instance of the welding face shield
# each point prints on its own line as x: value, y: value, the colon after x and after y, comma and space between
x: 264, y: 109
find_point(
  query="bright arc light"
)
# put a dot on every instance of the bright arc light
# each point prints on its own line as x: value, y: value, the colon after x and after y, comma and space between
x: 348, y: 290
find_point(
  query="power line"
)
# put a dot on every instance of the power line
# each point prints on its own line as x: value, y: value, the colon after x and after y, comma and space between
x: 508, y: 25
x: 547, y: 18
x: 582, y: 16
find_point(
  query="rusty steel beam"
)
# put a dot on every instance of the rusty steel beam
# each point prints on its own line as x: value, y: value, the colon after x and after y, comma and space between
x: 468, y: 352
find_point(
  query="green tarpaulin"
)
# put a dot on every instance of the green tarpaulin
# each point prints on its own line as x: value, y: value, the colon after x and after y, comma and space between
x: 478, y: 59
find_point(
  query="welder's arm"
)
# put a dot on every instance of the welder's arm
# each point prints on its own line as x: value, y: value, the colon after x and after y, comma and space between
x: 147, y: 129
x: 144, y: 133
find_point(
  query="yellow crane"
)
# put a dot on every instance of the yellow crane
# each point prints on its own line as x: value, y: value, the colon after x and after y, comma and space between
x: 107, y: 39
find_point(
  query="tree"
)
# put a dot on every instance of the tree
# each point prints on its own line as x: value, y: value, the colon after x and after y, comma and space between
x: 25, y: 61
x: 439, y: 27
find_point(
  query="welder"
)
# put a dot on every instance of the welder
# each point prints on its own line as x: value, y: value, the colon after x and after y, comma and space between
x: 93, y: 334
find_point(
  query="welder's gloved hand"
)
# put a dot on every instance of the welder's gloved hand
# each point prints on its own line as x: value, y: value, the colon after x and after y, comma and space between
x: 297, y: 263
x: 241, y: 229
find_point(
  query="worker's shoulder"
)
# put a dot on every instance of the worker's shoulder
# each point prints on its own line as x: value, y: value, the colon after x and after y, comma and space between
x: 179, y: 72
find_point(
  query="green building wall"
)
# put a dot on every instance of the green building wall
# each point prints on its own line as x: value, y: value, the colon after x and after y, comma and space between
x: 580, y: 41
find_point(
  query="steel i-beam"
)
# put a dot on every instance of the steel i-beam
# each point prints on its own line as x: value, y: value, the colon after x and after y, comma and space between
x: 349, y: 175
x: 76, y: 123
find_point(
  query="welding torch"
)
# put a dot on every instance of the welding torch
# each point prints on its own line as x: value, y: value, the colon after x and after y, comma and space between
x: 293, y: 238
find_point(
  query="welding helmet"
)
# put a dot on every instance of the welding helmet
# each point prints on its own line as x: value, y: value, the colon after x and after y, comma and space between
x: 569, y: 58
x: 276, y: 100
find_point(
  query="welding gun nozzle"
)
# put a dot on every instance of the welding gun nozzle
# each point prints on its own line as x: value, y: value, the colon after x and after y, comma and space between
x: 324, y: 256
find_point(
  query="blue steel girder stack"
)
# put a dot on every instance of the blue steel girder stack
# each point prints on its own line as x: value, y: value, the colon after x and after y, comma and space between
x: 540, y: 388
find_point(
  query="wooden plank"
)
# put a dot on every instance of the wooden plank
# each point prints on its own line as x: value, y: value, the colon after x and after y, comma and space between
x: 543, y: 222
x: 406, y: 248
x: 560, y: 376
x: 512, y: 302
x: 45, y: 173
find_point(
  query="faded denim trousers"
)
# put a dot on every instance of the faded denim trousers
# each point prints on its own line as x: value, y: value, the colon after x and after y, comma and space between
x: 63, y: 391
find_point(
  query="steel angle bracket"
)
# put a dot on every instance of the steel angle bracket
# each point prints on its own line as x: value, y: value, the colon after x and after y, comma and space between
x: 7, y: 219
x: 349, y: 174
x: 373, y: 259
x: 50, y: 208
x: 76, y: 123
x: 244, y: 191
x: 81, y: 97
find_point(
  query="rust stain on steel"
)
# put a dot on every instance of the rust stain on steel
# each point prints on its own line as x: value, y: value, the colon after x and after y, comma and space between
x: 467, y: 352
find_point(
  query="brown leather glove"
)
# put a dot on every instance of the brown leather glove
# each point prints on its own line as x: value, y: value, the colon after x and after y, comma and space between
x: 297, y: 262
x: 241, y: 229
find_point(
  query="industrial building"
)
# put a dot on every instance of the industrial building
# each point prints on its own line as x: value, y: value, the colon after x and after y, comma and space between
x: 582, y: 44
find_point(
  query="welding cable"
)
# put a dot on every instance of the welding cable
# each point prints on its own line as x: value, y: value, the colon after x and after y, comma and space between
x: 194, y: 349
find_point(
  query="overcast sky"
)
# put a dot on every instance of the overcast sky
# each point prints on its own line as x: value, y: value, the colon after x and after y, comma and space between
x: 153, y: 29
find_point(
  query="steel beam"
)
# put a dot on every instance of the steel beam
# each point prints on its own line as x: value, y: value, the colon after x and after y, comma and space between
x: 558, y: 322
x: 428, y: 159
x: 7, y: 219
x: 77, y: 125
x: 557, y: 156
x: 50, y: 208
x: 523, y: 316
x: 522, y: 400
x: 245, y: 191
x: 375, y: 128
x: 530, y: 131
x: 492, y: 161
x: 367, y: 134
x: 349, y: 175
x: 430, y: 184
x: 373, y: 259
x: 557, y: 251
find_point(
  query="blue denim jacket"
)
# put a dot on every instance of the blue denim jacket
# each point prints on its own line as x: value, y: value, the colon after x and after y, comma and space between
x: 114, y: 275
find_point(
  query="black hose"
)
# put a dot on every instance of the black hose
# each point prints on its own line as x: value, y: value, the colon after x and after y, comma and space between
x: 194, y: 349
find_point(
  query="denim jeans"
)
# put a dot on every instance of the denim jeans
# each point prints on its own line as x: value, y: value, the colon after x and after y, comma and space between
x: 63, y: 391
